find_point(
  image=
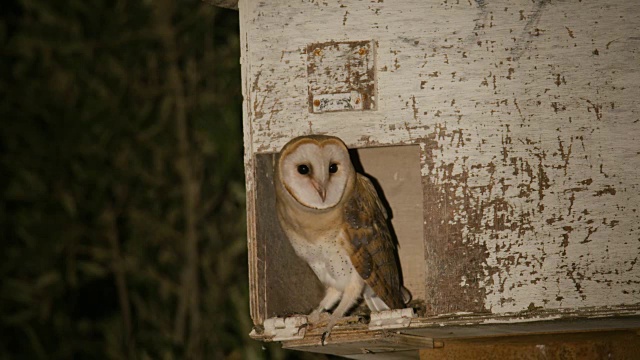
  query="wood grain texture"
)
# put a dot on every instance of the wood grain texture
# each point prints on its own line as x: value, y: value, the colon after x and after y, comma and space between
x: 527, y: 116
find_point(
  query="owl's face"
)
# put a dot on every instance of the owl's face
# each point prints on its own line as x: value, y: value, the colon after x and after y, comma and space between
x: 315, y: 170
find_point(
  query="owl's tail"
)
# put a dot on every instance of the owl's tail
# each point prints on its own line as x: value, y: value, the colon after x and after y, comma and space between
x: 375, y: 303
x: 406, y: 295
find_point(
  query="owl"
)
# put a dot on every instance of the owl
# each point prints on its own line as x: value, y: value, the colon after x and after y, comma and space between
x: 335, y: 222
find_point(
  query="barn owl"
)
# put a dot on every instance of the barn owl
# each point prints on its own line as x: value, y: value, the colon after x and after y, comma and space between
x: 338, y: 225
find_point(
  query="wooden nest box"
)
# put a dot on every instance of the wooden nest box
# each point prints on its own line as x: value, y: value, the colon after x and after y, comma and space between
x: 505, y: 136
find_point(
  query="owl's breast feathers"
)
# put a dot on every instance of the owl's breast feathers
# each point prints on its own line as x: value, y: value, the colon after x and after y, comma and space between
x: 373, y: 250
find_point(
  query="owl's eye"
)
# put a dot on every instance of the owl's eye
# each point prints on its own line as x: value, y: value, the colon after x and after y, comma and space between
x: 303, y: 169
x: 333, y: 168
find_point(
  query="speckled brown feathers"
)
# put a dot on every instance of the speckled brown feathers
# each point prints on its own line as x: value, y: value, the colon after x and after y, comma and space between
x: 373, y: 248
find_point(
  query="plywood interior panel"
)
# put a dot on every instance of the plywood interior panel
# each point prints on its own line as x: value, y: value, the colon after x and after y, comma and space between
x: 397, y: 171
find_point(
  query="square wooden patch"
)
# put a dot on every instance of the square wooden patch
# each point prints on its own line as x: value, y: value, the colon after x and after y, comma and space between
x: 341, y: 76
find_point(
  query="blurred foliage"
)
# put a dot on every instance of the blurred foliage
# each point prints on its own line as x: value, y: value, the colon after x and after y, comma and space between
x: 122, y: 208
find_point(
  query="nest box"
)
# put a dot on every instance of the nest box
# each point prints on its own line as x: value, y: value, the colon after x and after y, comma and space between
x: 505, y: 136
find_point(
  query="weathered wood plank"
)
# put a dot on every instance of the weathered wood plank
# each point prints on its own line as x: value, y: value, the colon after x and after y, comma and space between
x: 358, y: 342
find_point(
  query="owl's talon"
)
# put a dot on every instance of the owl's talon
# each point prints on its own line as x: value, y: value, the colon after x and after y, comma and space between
x: 332, y: 322
x: 303, y: 326
x: 325, y: 335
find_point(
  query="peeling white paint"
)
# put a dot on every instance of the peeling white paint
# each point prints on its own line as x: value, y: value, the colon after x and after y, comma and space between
x: 520, y: 320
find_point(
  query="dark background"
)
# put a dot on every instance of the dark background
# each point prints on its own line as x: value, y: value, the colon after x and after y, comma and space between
x: 122, y: 212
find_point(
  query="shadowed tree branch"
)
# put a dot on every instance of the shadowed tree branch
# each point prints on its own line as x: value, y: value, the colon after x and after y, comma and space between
x: 189, y: 298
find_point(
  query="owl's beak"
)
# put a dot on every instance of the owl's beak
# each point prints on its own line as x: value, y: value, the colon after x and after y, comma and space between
x: 322, y: 191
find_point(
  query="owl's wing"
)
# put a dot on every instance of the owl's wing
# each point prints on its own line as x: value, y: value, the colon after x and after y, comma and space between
x: 373, y: 254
